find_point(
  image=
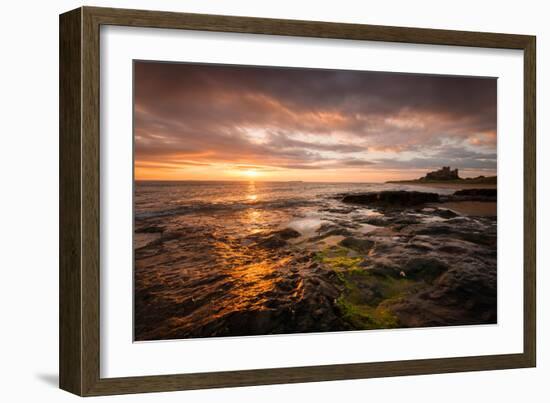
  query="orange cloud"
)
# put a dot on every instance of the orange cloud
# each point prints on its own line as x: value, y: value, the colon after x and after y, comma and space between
x: 203, y: 121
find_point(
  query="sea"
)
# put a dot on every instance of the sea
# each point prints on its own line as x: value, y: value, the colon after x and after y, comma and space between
x: 205, y: 259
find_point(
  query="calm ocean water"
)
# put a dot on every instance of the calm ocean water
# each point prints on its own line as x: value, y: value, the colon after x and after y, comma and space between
x: 156, y: 199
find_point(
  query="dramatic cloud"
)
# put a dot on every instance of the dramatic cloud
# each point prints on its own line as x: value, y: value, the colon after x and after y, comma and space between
x: 210, y: 121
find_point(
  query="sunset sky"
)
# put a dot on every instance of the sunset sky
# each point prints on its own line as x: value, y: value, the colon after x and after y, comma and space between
x: 215, y: 122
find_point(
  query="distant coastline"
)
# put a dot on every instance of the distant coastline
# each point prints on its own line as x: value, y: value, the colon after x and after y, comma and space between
x: 485, y: 180
x: 446, y: 176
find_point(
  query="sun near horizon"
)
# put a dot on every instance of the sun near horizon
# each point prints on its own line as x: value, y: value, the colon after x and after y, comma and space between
x: 253, y: 175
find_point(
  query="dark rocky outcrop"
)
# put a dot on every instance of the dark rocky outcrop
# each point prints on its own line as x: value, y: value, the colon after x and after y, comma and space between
x: 445, y: 213
x: 423, y: 268
x: 477, y: 193
x: 399, y: 198
x: 426, y: 266
x: 152, y: 229
x: 356, y: 244
x: 278, y: 239
x: 464, y: 295
x: 287, y: 233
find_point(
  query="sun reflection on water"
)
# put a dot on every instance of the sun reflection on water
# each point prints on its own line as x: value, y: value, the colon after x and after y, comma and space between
x: 254, y: 221
x: 254, y: 273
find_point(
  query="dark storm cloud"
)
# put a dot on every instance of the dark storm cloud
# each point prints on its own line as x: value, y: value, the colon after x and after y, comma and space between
x: 303, y: 118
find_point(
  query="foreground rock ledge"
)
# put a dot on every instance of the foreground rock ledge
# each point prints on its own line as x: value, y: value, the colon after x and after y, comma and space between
x: 404, y: 198
x: 392, y: 198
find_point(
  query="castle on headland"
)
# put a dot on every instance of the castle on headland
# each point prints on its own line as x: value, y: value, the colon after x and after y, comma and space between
x: 447, y: 174
x: 443, y: 174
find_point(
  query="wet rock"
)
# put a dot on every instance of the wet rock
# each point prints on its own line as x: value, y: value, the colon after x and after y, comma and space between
x: 426, y: 269
x: 445, y: 213
x: 369, y: 293
x: 453, y: 248
x: 476, y: 192
x: 435, y: 229
x: 376, y: 221
x: 405, y: 220
x: 419, y: 246
x: 278, y: 239
x: 463, y: 295
x: 287, y: 233
x: 273, y: 242
x: 400, y: 198
x: 168, y: 236
x: 330, y: 230
x: 340, y: 210
x: 482, y: 195
x: 358, y: 245
x: 152, y: 229
x: 381, y: 267
x: 287, y: 285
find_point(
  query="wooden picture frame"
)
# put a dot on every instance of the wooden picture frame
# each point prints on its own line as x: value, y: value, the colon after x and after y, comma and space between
x: 79, y: 348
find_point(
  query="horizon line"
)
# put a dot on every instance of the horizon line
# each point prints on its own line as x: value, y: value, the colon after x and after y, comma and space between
x: 283, y: 181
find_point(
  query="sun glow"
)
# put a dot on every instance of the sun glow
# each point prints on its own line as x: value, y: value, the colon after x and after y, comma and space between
x: 250, y: 173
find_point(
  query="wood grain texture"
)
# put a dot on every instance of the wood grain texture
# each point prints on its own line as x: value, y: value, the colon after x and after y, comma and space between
x: 80, y: 201
x: 161, y: 383
x: 317, y: 29
x: 70, y: 313
x: 90, y: 202
x: 530, y: 202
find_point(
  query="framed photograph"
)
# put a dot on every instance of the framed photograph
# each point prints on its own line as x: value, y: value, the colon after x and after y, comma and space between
x: 249, y: 201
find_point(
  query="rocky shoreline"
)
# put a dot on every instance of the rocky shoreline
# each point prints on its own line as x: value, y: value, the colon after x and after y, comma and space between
x: 436, y: 272
x: 404, y: 198
x: 406, y: 261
